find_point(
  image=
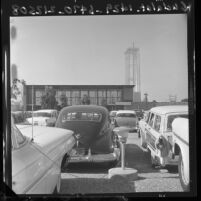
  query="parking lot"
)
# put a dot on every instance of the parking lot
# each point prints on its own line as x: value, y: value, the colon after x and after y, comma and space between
x: 93, y: 178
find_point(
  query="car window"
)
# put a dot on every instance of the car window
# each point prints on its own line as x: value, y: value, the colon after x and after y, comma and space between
x: 147, y: 117
x: 81, y: 116
x: 126, y: 115
x: 171, y: 118
x: 151, y: 120
x: 157, y: 123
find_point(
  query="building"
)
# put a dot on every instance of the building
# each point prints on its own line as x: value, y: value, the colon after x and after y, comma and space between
x: 111, y: 96
x: 132, y: 71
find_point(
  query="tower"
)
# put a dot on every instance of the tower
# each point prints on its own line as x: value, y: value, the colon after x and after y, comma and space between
x: 132, y: 71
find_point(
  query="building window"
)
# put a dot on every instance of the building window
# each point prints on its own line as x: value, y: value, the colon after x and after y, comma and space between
x: 38, y: 94
x: 101, y: 97
x: 112, y: 97
x: 93, y: 97
x: 75, y: 97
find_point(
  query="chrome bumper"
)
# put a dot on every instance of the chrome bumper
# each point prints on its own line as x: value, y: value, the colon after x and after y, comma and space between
x: 96, y: 158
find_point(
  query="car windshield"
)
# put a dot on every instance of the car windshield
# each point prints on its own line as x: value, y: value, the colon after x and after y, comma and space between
x: 42, y: 114
x: 171, y: 118
x: 126, y: 115
x: 82, y: 116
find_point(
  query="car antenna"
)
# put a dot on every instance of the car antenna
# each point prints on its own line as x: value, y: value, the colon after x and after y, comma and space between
x: 32, y: 114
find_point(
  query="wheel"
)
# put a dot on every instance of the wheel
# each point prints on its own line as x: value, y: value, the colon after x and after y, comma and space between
x: 183, y: 178
x: 142, y: 140
x: 58, y: 186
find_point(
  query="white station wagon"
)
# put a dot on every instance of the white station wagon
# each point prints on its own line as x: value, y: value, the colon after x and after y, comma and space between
x: 180, y: 127
x: 157, y: 134
x: 37, y: 161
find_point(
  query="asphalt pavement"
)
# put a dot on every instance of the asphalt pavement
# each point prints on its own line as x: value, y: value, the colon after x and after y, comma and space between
x: 90, y: 178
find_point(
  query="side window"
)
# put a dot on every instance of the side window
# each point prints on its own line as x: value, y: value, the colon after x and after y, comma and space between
x: 147, y: 117
x: 157, y: 123
x: 151, y: 119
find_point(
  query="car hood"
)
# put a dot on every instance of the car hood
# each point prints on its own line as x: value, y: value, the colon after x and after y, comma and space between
x: 45, y: 137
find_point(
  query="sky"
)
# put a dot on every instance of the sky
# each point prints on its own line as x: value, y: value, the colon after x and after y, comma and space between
x: 89, y: 50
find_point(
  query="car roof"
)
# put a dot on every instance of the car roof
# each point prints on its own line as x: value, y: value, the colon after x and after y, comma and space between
x: 169, y: 109
x: 48, y: 111
x: 89, y: 108
x: 126, y: 111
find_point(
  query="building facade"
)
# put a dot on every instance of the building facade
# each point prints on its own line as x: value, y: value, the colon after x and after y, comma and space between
x: 111, y: 96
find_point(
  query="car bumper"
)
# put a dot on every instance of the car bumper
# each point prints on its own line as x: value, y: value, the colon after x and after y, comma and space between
x: 96, y: 158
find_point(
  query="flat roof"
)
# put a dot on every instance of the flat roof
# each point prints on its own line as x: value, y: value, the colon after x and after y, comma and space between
x: 169, y: 109
x: 83, y: 86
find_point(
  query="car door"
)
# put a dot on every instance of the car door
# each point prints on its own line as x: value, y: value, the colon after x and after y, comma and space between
x: 28, y: 166
x: 153, y: 130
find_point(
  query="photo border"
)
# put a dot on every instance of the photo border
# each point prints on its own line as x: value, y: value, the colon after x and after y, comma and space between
x: 15, y: 8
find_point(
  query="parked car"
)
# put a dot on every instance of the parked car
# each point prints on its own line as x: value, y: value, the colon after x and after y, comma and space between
x: 157, y: 134
x: 44, y: 117
x: 139, y: 114
x: 96, y: 141
x: 126, y: 118
x: 112, y: 115
x: 180, y: 128
x: 141, y: 129
x: 37, y: 160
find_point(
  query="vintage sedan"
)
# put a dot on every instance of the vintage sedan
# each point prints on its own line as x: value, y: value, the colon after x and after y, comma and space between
x: 112, y: 115
x: 180, y: 128
x: 126, y: 118
x: 44, y: 117
x: 38, y: 154
x: 96, y: 141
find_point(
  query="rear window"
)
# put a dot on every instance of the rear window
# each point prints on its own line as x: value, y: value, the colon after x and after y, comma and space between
x: 126, y: 115
x: 82, y: 116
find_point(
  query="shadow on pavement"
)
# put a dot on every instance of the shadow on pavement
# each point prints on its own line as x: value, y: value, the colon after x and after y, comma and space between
x: 96, y: 186
x: 140, y: 159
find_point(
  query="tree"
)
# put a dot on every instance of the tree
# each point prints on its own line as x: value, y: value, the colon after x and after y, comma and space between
x: 85, y: 100
x: 48, y: 100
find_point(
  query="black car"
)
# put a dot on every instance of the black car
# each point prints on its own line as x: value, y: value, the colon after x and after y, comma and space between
x: 95, y: 140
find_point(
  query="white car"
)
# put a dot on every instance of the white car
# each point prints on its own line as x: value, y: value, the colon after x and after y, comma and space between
x: 141, y: 130
x: 44, y: 117
x: 157, y: 135
x: 180, y: 127
x: 37, y: 160
x: 126, y: 118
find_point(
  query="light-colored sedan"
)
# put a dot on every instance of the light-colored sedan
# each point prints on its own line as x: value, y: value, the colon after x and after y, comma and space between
x: 44, y: 117
x: 126, y: 118
x: 180, y: 127
x: 37, y: 158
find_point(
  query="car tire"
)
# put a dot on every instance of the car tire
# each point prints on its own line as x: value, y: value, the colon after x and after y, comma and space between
x: 58, y: 185
x: 142, y: 140
x: 183, y: 180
